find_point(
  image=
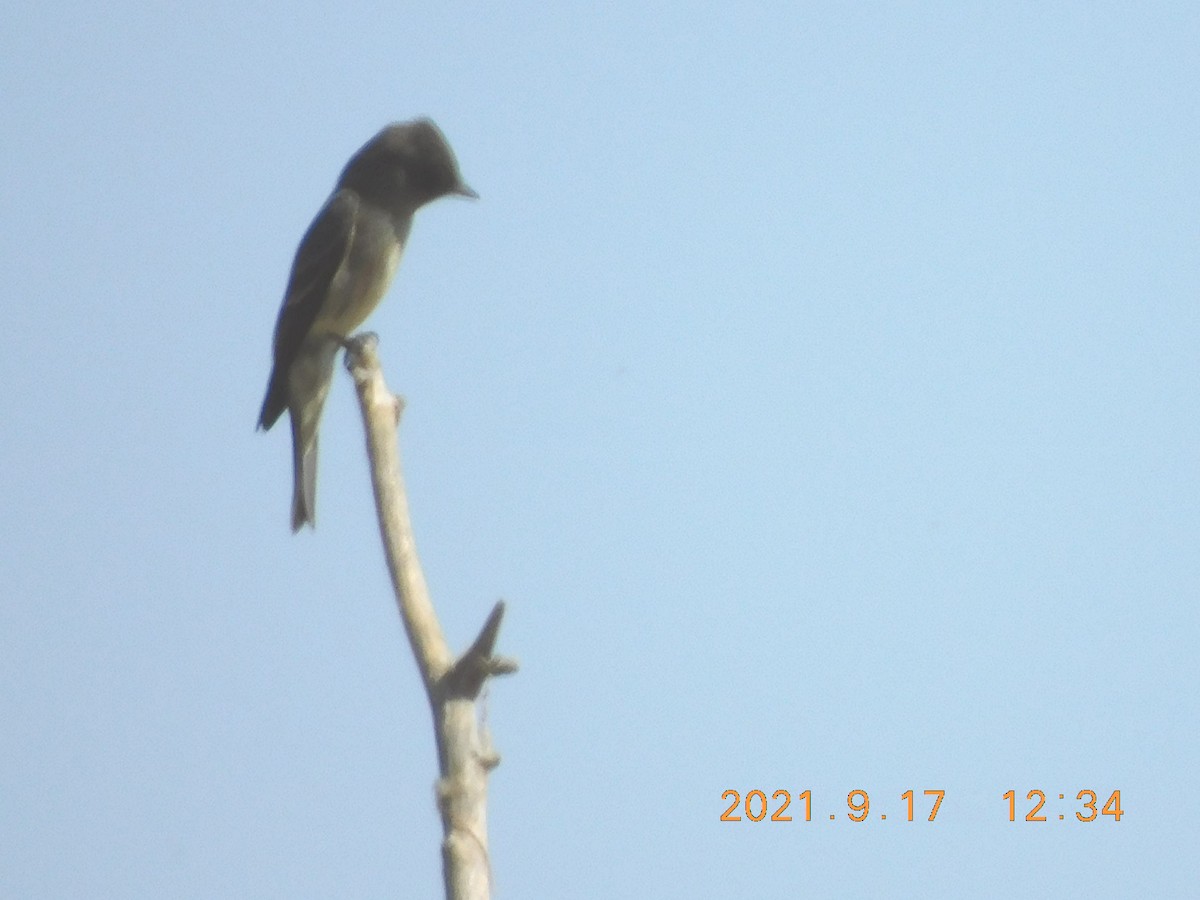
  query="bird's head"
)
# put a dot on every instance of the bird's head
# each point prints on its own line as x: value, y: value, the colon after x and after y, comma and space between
x: 406, y: 165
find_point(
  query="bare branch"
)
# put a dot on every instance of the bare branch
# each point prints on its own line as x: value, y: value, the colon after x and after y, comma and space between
x: 465, y: 754
x: 381, y: 415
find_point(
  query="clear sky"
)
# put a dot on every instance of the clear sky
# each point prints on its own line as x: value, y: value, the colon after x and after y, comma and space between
x: 816, y: 382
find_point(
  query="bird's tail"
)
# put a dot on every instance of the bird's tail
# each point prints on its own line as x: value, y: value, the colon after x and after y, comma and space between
x: 304, y: 473
x: 307, y: 386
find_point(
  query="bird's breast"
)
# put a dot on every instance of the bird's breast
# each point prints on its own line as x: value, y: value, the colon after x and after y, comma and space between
x: 362, y: 280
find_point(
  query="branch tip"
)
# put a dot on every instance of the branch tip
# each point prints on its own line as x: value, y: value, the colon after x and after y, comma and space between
x: 502, y: 665
x: 473, y: 668
x: 491, y: 630
x: 362, y: 354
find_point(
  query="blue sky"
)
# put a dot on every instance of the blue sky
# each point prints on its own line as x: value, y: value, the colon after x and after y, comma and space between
x: 817, y: 383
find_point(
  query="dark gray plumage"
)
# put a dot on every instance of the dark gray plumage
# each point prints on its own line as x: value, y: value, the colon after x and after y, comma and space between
x: 342, y: 269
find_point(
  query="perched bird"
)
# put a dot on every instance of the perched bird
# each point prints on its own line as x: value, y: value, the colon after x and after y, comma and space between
x: 342, y: 269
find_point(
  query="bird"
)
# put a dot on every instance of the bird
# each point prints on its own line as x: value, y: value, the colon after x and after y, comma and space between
x: 342, y: 269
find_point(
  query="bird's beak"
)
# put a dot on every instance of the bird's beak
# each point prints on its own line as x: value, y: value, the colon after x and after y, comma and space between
x: 463, y: 191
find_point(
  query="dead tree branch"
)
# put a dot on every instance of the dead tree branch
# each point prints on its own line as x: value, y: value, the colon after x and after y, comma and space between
x: 453, y: 686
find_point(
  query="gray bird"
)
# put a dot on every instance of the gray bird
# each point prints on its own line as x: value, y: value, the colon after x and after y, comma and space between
x: 342, y: 269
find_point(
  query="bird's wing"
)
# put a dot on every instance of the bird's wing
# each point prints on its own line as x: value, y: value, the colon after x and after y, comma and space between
x: 321, y: 253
